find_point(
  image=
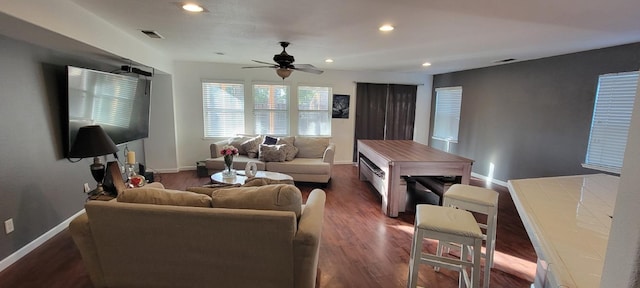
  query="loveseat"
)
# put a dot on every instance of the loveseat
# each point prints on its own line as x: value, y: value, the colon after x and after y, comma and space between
x: 237, y: 237
x: 306, y: 159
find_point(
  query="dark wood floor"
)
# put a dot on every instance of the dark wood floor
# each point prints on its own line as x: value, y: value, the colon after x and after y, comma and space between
x: 360, y: 246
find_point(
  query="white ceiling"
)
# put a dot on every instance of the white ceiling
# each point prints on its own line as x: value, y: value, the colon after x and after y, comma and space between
x: 451, y: 34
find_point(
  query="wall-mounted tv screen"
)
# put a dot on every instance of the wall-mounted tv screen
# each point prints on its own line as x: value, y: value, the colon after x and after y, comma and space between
x: 118, y: 103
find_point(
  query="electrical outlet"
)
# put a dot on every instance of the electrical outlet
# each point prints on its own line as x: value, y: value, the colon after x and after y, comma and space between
x: 86, y: 188
x: 8, y: 226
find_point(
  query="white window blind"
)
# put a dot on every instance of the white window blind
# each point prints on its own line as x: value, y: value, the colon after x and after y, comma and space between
x: 314, y: 116
x: 271, y: 109
x: 223, y: 105
x: 611, y: 119
x: 447, y: 114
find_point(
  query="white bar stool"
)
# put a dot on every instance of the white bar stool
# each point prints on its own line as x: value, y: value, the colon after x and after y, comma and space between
x: 449, y: 225
x: 479, y: 200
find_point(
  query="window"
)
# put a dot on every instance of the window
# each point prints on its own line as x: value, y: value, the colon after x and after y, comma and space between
x: 611, y: 120
x: 447, y: 115
x: 314, y: 117
x: 271, y: 109
x: 223, y: 105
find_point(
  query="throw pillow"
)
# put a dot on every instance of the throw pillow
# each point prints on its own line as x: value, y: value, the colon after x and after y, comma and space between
x: 270, y: 140
x: 281, y: 197
x: 290, y: 150
x: 251, y: 146
x: 237, y: 142
x: 286, y: 140
x: 164, y: 197
x: 311, y: 147
x: 271, y: 153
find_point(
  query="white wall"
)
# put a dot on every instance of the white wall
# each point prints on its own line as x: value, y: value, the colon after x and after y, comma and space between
x: 67, y: 19
x: 193, y: 147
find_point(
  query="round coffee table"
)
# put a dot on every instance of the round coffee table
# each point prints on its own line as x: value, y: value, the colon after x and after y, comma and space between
x: 240, y: 177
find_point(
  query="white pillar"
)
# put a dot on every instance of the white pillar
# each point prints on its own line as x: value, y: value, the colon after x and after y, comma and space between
x: 622, y: 262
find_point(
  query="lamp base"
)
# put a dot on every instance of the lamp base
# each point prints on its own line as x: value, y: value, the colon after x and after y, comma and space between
x: 98, y: 191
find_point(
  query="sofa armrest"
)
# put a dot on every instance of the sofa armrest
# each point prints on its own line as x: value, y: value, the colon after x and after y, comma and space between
x: 329, y: 153
x: 83, y: 237
x: 307, y: 240
x: 215, y: 148
x: 157, y: 185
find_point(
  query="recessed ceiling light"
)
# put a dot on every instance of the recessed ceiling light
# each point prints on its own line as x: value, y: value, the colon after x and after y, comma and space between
x: 386, y: 28
x: 329, y: 60
x: 192, y: 7
x: 426, y: 64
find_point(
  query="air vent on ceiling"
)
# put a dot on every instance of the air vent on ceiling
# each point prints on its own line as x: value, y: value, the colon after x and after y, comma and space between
x: 152, y: 34
x: 505, y: 60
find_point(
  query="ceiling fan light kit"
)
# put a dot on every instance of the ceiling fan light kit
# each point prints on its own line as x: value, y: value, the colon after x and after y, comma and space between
x: 284, y: 64
x: 283, y: 72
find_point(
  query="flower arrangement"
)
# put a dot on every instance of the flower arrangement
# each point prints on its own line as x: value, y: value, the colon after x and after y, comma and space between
x: 228, y: 152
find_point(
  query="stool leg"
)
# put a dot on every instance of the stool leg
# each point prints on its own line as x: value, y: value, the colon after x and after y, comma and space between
x: 463, y: 257
x: 439, y: 254
x: 492, y: 235
x: 490, y: 245
x: 477, y: 255
x: 414, y: 260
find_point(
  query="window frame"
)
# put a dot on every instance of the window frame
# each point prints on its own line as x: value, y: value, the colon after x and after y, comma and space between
x: 447, y: 91
x: 239, y: 129
x: 611, y: 117
x: 326, y: 112
x: 286, y: 111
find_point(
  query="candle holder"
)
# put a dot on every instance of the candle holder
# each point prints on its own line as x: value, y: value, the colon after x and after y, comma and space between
x: 133, y: 179
x: 130, y: 170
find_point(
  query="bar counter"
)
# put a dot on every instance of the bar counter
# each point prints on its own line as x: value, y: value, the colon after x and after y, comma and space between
x: 568, y: 221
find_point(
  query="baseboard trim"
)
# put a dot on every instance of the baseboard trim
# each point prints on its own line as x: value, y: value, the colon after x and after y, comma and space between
x: 13, y: 258
x: 494, y: 181
x: 168, y: 170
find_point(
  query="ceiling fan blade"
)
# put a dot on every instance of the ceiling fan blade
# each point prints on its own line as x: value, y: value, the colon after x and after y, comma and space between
x: 272, y: 66
x: 307, y: 68
x: 262, y: 62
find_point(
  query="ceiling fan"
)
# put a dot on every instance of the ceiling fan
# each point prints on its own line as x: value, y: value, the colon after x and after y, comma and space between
x: 285, y: 65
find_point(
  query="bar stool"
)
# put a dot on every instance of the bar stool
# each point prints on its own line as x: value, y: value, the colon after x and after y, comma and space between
x: 479, y: 200
x: 450, y: 225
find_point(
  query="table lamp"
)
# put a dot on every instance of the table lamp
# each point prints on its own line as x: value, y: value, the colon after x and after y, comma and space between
x: 92, y: 141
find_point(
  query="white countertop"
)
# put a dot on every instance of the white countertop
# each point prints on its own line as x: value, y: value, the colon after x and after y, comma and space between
x: 568, y: 221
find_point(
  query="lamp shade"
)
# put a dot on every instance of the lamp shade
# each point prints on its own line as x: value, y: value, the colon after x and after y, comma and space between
x: 92, y: 141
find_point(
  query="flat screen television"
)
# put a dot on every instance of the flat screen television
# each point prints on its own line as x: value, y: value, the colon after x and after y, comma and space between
x: 119, y: 103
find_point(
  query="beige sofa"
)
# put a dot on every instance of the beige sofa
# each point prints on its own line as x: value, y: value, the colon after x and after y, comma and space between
x: 264, y: 237
x: 312, y: 162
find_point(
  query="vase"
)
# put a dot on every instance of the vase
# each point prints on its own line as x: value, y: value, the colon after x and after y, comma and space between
x: 228, y: 171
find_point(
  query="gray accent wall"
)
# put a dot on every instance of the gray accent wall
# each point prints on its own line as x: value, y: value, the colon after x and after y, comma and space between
x: 39, y: 188
x: 532, y: 118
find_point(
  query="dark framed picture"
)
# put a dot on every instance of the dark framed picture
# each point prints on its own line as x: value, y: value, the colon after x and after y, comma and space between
x: 340, y: 106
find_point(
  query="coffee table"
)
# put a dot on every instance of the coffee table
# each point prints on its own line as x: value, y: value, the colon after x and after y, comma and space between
x: 240, y: 177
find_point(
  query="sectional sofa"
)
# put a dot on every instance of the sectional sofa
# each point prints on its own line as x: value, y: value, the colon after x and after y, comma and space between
x: 306, y: 159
